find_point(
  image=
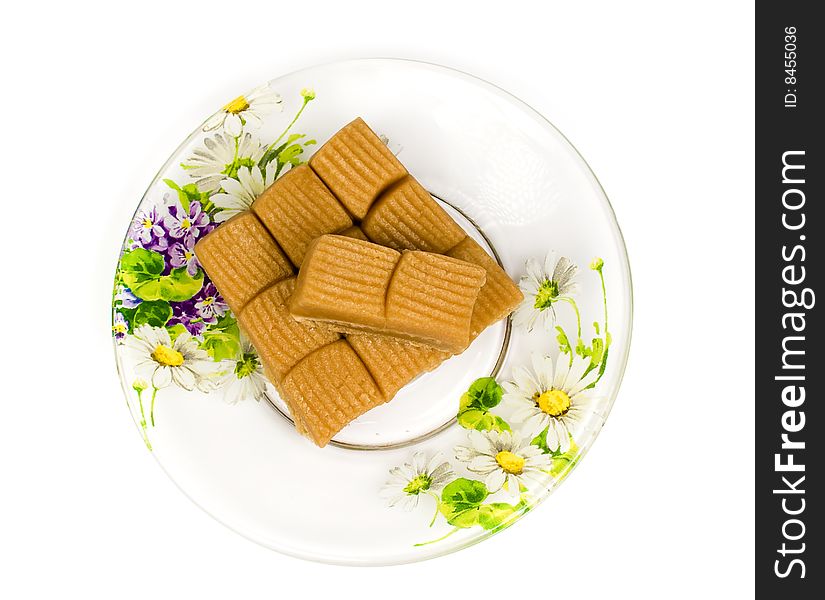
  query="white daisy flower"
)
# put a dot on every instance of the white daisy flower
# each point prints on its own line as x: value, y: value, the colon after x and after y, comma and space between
x: 239, y: 194
x: 543, y: 286
x: 220, y: 158
x: 162, y: 362
x: 409, y: 481
x: 552, y: 396
x: 245, y: 375
x: 245, y: 110
x: 504, y: 458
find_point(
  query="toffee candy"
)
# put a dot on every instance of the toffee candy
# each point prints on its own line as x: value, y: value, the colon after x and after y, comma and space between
x: 280, y: 340
x: 396, y: 211
x: 298, y: 208
x: 357, y: 166
x: 498, y: 297
x: 407, y: 218
x: 241, y: 258
x: 359, y: 286
x: 393, y: 363
x: 329, y: 388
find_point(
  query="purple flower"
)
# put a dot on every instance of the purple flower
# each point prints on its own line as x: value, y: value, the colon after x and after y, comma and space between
x: 187, y: 225
x: 146, y: 228
x: 119, y: 326
x: 185, y: 313
x: 182, y: 254
x: 126, y: 298
x: 209, y: 303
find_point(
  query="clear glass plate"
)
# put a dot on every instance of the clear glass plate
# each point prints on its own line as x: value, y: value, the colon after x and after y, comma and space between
x: 456, y: 456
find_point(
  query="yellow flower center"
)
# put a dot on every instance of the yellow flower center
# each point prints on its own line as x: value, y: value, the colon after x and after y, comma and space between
x: 555, y: 403
x: 239, y: 104
x: 188, y: 255
x: 208, y: 300
x: 147, y: 224
x: 168, y: 357
x: 119, y: 328
x: 185, y: 224
x: 511, y: 463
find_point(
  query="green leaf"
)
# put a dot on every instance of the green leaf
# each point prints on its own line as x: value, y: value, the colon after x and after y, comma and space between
x: 129, y: 315
x: 464, y: 492
x: 494, y: 516
x: 188, y: 193
x: 482, y: 421
x: 564, y: 342
x: 474, y: 406
x: 464, y: 518
x: 460, y: 501
x: 152, y: 312
x: 291, y: 155
x: 597, y: 353
x: 272, y: 153
x: 180, y: 285
x: 563, y: 462
x: 141, y: 272
x: 472, y: 418
x: 175, y: 330
x: 222, y: 340
x: 484, y: 393
x: 541, y: 441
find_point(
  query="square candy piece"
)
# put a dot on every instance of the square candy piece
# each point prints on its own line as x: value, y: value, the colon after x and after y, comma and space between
x: 498, y: 297
x: 298, y: 208
x: 431, y: 299
x: 241, y: 259
x: 359, y: 286
x: 357, y: 166
x: 393, y: 363
x: 408, y: 218
x: 344, y: 281
x: 280, y: 340
x: 328, y: 389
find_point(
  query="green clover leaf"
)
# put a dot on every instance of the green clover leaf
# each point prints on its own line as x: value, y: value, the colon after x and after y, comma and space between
x: 460, y: 501
x: 141, y: 271
x: 222, y: 340
x: 495, y: 516
x: 474, y: 406
x: 180, y: 285
x: 152, y: 312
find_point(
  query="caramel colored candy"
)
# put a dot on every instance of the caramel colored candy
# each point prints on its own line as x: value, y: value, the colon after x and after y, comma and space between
x: 359, y: 286
x: 241, y: 259
x: 357, y: 166
x: 408, y: 218
x: 280, y: 340
x: 353, y: 232
x: 344, y: 281
x: 499, y: 296
x: 393, y: 363
x: 329, y: 388
x: 431, y: 299
x: 298, y: 208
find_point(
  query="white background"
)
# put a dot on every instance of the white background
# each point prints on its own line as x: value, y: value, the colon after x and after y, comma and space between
x: 658, y: 99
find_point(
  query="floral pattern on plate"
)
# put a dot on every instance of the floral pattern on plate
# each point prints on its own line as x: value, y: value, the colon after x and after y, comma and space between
x: 521, y: 432
x: 505, y: 463
x: 166, y: 312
